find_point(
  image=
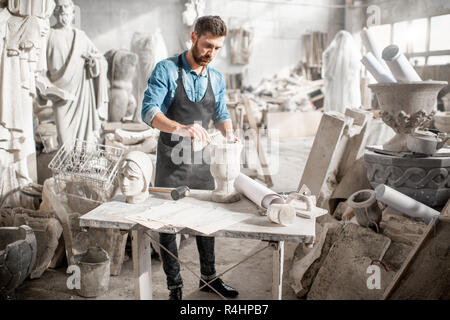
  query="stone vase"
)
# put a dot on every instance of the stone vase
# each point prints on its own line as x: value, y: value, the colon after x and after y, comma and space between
x: 405, y: 107
x: 365, y: 206
x: 225, y: 167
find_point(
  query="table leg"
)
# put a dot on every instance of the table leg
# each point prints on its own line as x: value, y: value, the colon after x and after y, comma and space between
x: 278, y: 264
x: 142, y: 265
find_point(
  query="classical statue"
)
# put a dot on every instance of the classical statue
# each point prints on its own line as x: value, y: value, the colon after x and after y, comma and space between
x: 121, y: 71
x: 340, y: 71
x: 23, y: 26
x: 76, y: 66
x: 135, y: 174
x: 150, y: 48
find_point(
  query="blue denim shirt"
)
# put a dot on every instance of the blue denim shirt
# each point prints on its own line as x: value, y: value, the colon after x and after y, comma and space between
x: 163, y: 82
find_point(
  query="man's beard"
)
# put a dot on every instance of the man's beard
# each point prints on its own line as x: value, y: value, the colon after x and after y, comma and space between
x: 198, y: 58
x: 65, y: 19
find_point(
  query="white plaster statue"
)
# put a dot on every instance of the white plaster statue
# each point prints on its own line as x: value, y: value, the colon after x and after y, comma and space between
x: 241, y: 44
x: 135, y: 173
x: 193, y: 10
x: 76, y: 66
x: 121, y: 71
x: 23, y: 25
x: 225, y: 167
x: 150, y: 48
x: 340, y: 71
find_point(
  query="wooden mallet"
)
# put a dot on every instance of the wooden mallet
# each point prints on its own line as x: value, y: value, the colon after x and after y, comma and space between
x: 176, y: 194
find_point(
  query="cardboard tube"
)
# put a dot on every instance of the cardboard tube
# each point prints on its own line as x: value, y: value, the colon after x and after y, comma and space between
x: 379, y: 72
x: 400, y: 67
x: 404, y: 204
x: 371, y: 46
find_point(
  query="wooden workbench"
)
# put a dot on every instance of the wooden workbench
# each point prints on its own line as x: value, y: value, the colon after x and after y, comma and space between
x: 255, y: 227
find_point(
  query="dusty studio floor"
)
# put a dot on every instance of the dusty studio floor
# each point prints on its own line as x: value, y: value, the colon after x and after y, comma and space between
x: 253, y: 278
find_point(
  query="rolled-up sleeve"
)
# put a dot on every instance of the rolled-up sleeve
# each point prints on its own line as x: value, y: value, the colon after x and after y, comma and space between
x: 158, y: 86
x: 221, y: 111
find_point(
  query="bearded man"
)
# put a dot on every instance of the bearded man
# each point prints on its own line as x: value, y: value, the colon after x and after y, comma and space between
x: 184, y: 94
x: 76, y: 66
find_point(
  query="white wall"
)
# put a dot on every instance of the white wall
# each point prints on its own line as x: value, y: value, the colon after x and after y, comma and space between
x: 279, y: 27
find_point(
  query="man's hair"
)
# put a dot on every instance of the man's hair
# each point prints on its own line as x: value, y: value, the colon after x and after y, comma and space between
x: 213, y: 24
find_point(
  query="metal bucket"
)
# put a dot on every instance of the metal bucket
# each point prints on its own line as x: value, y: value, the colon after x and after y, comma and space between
x: 94, y: 267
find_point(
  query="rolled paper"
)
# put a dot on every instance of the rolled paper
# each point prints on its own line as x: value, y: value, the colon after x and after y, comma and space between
x: 404, y: 204
x: 379, y: 72
x: 372, y: 46
x: 256, y: 192
x: 400, y: 67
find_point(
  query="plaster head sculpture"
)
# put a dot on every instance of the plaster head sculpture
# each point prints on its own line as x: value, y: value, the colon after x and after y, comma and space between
x: 64, y: 13
x: 135, y: 173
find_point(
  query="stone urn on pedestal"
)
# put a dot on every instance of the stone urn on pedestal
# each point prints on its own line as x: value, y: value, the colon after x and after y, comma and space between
x: 225, y: 167
x: 405, y: 107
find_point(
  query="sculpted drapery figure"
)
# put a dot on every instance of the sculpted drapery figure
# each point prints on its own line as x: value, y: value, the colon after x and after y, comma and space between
x: 23, y: 26
x: 76, y: 66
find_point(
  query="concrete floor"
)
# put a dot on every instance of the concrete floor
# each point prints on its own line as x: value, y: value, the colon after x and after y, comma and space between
x: 253, y: 278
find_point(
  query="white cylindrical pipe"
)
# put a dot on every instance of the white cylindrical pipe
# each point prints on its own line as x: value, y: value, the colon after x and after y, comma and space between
x: 400, y: 67
x: 404, y: 204
x: 379, y: 72
x: 371, y: 45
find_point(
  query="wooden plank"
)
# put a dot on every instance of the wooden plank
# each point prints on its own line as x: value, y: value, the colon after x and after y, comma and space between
x: 63, y: 218
x: 278, y: 266
x: 261, y: 154
x: 294, y: 124
x: 142, y: 265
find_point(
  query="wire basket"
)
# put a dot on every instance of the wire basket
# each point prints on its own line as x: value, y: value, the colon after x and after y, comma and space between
x: 86, y: 170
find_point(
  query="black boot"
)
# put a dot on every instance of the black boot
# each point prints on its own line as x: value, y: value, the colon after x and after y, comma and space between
x: 220, y: 287
x: 175, y: 294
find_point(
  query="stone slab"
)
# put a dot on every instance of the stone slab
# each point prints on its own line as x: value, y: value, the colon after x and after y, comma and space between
x: 343, y: 274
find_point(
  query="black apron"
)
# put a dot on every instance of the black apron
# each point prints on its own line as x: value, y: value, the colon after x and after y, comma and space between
x: 183, y: 110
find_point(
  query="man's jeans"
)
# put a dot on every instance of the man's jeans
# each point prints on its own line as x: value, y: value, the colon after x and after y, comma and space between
x: 205, y: 246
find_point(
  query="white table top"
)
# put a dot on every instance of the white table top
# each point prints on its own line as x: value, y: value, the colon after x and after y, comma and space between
x: 255, y: 227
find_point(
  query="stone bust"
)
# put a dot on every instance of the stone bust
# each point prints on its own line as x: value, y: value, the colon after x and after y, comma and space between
x: 135, y: 172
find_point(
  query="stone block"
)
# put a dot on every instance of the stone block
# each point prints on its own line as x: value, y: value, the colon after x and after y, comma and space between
x: 343, y: 274
x: 17, y: 255
x: 47, y: 230
x: 339, y: 142
x: 307, y: 261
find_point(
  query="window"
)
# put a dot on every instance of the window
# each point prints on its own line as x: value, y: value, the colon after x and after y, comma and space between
x: 417, y: 35
x: 400, y: 36
x: 382, y: 34
x: 424, y: 41
x: 438, y: 60
x: 439, y: 37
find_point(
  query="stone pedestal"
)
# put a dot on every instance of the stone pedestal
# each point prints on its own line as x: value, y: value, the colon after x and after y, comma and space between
x: 426, y: 180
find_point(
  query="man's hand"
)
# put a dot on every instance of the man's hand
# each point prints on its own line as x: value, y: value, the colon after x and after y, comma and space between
x: 193, y: 130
